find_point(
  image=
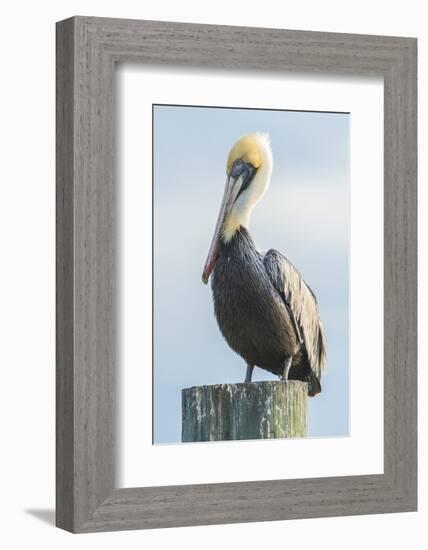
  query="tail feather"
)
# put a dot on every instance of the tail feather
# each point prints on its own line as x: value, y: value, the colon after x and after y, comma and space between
x: 301, y: 370
x: 314, y: 385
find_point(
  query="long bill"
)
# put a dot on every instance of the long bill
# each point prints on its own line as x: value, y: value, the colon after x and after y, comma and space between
x: 231, y: 192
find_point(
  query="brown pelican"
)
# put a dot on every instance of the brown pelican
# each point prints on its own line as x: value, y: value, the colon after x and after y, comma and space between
x: 264, y: 309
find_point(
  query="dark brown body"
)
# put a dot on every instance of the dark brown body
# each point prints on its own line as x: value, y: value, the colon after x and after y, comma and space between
x: 251, y: 312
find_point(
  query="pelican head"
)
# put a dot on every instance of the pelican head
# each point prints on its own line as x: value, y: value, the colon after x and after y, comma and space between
x: 248, y: 169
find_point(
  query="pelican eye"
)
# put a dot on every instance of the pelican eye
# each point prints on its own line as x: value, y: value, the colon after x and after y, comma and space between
x: 237, y: 168
x: 244, y: 169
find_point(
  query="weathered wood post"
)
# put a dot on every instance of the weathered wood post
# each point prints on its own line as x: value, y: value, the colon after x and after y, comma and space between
x: 257, y: 410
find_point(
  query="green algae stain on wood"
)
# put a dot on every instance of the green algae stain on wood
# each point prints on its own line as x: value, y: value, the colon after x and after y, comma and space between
x: 257, y: 410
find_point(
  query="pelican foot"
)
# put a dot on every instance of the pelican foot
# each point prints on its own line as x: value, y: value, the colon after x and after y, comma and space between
x: 249, y: 374
x: 286, y: 370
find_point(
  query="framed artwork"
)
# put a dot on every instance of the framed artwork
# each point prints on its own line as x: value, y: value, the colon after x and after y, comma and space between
x: 280, y: 167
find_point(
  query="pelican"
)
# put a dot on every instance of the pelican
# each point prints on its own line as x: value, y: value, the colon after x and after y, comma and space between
x: 264, y: 309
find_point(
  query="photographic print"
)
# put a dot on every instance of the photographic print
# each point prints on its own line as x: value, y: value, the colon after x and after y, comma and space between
x: 187, y: 386
x: 257, y: 201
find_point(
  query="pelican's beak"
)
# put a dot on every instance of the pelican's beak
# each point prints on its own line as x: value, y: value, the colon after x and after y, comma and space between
x: 231, y: 192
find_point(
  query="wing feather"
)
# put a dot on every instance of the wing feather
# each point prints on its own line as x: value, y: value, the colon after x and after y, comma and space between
x: 302, y: 305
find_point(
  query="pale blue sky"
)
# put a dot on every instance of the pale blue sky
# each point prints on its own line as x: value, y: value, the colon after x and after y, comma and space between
x: 304, y: 215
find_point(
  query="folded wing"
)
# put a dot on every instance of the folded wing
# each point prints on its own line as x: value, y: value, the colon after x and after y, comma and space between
x: 302, y: 306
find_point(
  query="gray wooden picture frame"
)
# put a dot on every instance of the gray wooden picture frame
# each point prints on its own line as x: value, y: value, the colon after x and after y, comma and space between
x: 87, y: 50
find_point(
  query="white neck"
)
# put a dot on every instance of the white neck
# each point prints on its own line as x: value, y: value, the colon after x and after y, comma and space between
x: 240, y: 214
